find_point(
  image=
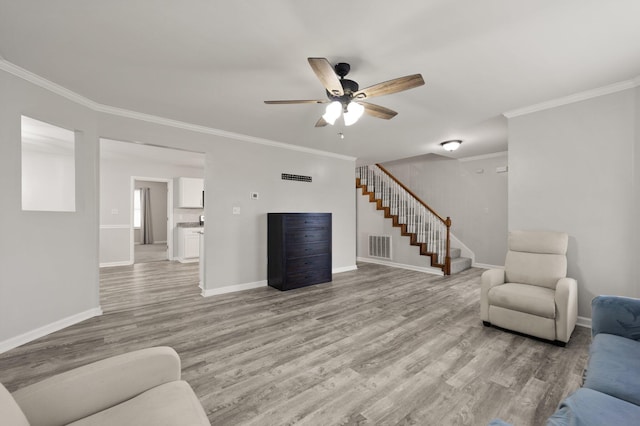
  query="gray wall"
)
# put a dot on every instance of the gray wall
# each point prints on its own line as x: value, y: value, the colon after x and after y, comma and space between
x: 236, y: 245
x: 469, y: 191
x: 49, y: 261
x: 575, y: 168
x: 158, y: 196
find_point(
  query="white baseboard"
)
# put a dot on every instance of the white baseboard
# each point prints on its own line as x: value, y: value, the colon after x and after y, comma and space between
x: 426, y: 269
x: 29, y: 336
x: 122, y: 263
x: 192, y: 260
x: 344, y: 269
x: 584, y: 322
x: 487, y: 266
x: 233, y: 288
x: 257, y: 284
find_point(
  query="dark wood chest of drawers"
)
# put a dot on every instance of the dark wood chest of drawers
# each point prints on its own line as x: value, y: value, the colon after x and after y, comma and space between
x: 299, y: 249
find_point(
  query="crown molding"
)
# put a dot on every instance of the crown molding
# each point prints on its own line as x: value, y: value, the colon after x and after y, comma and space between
x: 121, y: 112
x: 576, y: 97
x: 46, y: 84
x: 484, y: 156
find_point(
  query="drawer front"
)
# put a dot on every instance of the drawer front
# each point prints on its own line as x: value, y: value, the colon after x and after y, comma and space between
x: 301, y: 264
x: 302, y: 236
x: 310, y: 249
x: 307, y: 221
x: 302, y: 279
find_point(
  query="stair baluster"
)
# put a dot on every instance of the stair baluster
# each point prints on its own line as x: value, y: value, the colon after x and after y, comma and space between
x: 426, y: 228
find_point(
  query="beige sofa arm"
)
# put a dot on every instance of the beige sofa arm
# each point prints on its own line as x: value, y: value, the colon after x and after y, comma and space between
x: 9, y: 409
x: 490, y: 278
x: 92, y: 388
x: 567, y: 306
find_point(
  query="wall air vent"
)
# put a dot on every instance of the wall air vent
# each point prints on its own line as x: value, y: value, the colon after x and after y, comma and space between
x: 380, y: 246
x: 297, y: 178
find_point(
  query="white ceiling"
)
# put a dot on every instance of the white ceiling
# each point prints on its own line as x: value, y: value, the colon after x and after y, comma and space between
x: 213, y: 63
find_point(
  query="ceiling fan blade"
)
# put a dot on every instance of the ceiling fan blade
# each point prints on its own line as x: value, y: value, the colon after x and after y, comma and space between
x: 321, y: 122
x: 296, y: 101
x: 326, y: 75
x: 391, y: 86
x: 378, y: 111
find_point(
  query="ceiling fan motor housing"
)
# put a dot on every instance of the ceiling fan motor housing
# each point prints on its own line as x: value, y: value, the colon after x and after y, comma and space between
x: 349, y: 87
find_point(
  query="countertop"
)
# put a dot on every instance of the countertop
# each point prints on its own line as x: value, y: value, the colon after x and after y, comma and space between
x: 189, y: 225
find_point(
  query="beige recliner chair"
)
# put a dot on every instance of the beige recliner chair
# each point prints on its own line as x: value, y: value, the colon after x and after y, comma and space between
x: 532, y: 294
x: 136, y: 388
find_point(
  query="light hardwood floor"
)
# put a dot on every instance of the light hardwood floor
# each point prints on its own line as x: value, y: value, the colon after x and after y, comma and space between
x: 376, y: 346
x: 144, y: 253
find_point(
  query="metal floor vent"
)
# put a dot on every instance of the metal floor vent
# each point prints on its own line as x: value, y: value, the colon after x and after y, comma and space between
x: 297, y: 178
x: 380, y: 246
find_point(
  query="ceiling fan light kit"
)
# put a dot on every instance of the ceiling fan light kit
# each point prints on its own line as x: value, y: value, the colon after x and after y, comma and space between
x: 346, y: 98
x: 353, y: 113
x: 451, y: 145
x: 332, y: 112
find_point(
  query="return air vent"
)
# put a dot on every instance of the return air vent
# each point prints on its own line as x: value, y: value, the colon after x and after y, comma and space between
x: 297, y: 178
x: 380, y: 246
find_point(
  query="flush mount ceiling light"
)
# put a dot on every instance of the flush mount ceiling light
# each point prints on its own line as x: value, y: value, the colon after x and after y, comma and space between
x: 451, y: 145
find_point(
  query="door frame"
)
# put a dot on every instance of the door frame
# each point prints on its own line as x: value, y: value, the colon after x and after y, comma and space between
x: 169, y: 183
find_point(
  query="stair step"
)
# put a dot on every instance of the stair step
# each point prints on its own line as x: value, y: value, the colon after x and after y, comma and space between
x: 454, y: 253
x: 460, y: 264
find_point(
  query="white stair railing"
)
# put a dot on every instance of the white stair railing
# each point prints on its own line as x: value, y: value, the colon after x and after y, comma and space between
x: 419, y: 219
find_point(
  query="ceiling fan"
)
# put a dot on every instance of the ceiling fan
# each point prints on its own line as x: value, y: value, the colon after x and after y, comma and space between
x: 345, y: 97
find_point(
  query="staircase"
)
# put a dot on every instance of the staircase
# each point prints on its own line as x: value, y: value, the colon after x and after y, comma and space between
x: 424, y: 227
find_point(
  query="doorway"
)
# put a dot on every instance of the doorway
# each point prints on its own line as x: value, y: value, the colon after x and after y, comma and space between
x: 151, y: 210
x: 123, y: 163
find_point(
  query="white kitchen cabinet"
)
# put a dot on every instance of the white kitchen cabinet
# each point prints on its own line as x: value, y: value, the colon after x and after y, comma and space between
x: 189, y: 244
x: 190, y: 192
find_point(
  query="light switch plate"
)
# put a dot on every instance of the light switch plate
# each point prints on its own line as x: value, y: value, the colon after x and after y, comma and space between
x: 236, y: 210
x: 254, y: 195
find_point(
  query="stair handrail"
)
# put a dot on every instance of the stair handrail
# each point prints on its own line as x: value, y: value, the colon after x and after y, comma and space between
x: 446, y: 222
x: 413, y: 194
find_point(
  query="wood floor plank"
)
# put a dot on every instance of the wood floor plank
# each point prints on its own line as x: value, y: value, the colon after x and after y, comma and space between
x: 376, y: 346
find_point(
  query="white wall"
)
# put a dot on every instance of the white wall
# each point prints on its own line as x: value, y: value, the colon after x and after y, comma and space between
x: 469, y: 191
x: 575, y: 168
x: 238, y: 244
x: 49, y: 261
x: 48, y: 181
